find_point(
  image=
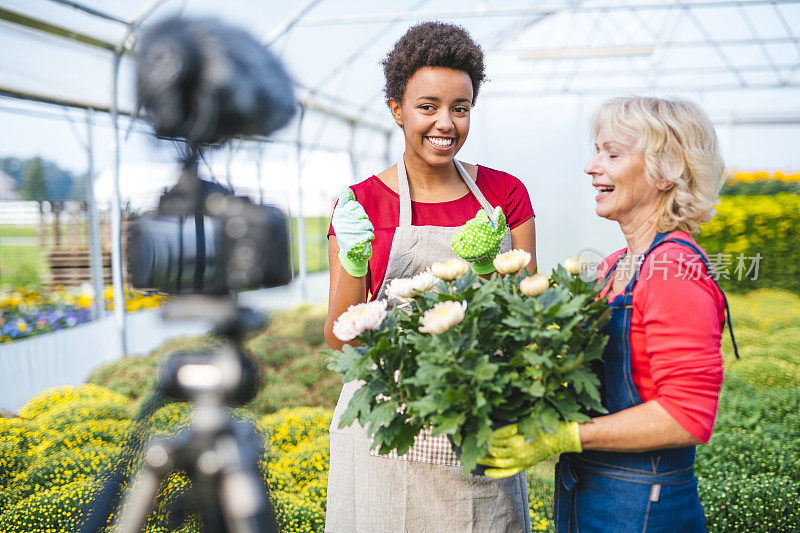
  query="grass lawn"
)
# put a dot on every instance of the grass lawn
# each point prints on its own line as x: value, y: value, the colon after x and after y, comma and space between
x: 21, y: 266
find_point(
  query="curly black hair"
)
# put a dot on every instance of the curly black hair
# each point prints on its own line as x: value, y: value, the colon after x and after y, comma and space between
x: 432, y: 44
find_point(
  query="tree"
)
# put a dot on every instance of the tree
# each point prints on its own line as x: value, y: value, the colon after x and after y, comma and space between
x: 34, y: 189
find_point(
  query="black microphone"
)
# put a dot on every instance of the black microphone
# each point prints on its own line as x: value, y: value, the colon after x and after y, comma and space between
x: 205, y: 81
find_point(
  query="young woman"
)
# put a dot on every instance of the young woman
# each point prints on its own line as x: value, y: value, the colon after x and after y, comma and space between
x: 396, y: 224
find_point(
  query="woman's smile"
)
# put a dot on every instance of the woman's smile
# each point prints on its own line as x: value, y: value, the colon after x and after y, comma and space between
x: 443, y: 144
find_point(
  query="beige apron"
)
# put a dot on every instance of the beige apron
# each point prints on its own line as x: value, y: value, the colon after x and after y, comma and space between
x: 424, y: 490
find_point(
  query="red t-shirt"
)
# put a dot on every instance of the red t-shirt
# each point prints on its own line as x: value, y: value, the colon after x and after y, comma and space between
x: 676, y: 329
x: 382, y: 206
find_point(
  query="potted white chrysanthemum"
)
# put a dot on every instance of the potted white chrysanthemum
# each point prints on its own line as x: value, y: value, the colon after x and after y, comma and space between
x: 463, y: 355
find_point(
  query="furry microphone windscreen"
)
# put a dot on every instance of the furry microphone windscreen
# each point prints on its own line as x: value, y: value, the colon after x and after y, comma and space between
x: 205, y: 81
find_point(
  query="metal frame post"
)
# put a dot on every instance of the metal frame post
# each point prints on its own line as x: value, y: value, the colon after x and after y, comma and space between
x: 95, y: 245
x: 302, y: 267
x: 116, y: 217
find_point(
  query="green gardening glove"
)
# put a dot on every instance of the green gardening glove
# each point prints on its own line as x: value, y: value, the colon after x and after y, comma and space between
x: 510, y: 454
x: 478, y: 241
x: 354, y: 233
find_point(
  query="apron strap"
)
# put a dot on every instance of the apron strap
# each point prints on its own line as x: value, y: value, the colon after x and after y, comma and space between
x: 661, y: 239
x: 405, y: 194
x: 473, y: 187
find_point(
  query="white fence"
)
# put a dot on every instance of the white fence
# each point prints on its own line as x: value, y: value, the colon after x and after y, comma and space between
x: 67, y: 357
x: 19, y: 213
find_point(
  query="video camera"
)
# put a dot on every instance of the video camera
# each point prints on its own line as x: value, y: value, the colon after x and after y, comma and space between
x: 204, y: 82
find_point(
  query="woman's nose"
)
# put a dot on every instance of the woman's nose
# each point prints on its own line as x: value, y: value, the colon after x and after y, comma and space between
x: 592, y: 166
x: 444, y: 121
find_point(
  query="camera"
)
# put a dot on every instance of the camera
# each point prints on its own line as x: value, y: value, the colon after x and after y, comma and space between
x: 229, y: 244
x: 203, y: 82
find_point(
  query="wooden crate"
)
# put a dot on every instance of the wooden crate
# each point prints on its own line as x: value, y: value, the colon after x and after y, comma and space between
x: 70, y: 267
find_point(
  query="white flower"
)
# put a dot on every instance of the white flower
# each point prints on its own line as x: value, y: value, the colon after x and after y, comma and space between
x: 450, y: 270
x: 442, y: 317
x: 534, y: 285
x: 400, y: 289
x: 574, y: 265
x: 511, y: 262
x: 358, y: 319
x: 424, y: 281
x: 404, y: 289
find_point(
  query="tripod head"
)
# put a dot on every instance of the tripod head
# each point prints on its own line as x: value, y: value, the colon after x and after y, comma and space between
x: 224, y: 376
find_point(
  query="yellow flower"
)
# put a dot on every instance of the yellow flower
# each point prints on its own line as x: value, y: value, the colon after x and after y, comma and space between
x: 84, y: 301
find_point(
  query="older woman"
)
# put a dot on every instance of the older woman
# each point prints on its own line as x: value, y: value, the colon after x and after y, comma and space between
x: 657, y: 172
x: 395, y: 224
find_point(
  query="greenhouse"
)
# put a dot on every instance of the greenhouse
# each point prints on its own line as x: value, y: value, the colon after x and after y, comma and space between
x: 80, y: 346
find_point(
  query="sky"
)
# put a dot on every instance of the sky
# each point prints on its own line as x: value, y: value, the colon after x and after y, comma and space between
x: 518, y: 125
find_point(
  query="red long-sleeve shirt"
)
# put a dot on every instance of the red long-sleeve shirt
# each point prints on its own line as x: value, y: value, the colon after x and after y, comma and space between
x: 676, y: 329
x: 382, y: 206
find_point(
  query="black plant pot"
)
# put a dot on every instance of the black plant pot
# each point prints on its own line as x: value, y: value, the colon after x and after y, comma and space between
x: 479, y: 470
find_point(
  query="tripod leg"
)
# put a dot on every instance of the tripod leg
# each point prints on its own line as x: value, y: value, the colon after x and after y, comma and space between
x: 138, y: 501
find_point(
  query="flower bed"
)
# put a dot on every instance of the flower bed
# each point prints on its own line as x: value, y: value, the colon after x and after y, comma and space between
x: 26, y: 312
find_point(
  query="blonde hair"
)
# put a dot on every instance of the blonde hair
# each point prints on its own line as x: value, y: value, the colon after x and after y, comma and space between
x: 680, y: 147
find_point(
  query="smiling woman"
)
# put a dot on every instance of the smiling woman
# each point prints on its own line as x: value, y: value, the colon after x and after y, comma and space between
x: 396, y: 224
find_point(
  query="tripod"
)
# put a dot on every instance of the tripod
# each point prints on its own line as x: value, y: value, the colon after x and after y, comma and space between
x: 219, y: 455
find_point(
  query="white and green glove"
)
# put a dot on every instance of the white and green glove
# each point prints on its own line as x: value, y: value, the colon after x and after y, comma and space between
x: 510, y: 454
x: 354, y: 233
x: 478, y: 241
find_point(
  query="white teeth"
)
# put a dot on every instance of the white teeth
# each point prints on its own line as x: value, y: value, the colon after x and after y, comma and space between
x: 604, y: 188
x: 440, y: 142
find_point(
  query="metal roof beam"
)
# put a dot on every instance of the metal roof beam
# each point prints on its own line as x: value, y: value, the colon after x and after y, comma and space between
x: 623, y: 72
x: 19, y: 19
x: 286, y: 26
x: 716, y: 46
x: 91, y: 11
x: 634, y: 49
x: 628, y: 89
x: 516, y: 12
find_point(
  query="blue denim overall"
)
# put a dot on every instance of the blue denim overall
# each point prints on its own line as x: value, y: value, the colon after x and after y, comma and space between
x: 624, y: 492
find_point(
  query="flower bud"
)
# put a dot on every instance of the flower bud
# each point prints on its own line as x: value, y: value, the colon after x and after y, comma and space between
x: 534, y: 285
x: 450, y: 270
x: 574, y: 265
x: 512, y: 261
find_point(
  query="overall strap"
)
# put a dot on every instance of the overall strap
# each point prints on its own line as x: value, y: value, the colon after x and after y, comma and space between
x: 710, y: 270
x: 405, y: 194
x: 661, y: 239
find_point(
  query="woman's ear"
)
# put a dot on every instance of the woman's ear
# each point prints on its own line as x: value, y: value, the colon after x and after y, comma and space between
x: 394, y: 105
x: 663, y: 184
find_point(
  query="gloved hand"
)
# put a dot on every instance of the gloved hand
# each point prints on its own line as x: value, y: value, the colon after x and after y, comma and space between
x: 354, y: 232
x: 478, y: 241
x: 510, y: 454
